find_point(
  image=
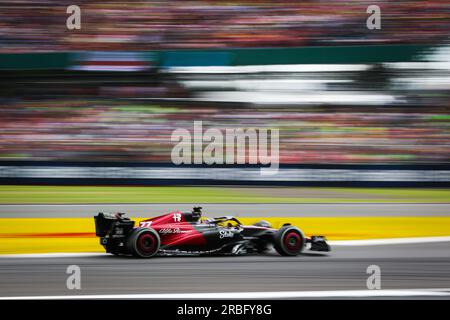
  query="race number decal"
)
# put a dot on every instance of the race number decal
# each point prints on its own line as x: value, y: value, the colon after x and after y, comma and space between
x: 177, y: 217
x: 145, y: 224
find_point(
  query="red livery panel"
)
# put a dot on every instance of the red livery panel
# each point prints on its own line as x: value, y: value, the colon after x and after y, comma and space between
x: 174, y: 230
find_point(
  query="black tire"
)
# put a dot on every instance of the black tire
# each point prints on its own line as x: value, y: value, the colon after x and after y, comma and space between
x: 143, y: 242
x: 289, y: 241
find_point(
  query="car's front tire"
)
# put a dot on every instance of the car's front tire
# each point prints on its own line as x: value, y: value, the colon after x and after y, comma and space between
x: 289, y: 241
x: 143, y: 242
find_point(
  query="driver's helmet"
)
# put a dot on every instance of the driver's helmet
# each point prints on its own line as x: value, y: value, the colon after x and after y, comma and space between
x: 197, y: 213
x: 194, y: 216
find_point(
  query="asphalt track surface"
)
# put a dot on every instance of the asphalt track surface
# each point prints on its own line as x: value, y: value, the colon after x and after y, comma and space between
x: 406, y: 266
x: 243, y: 210
x: 403, y: 266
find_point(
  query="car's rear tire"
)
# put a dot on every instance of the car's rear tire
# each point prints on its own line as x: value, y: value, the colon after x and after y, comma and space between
x: 289, y: 241
x: 143, y: 242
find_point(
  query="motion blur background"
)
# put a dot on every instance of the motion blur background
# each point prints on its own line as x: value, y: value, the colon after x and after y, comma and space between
x: 344, y: 97
x: 86, y: 118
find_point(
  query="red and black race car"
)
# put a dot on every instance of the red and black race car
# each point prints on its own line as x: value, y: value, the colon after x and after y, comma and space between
x: 186, y: 233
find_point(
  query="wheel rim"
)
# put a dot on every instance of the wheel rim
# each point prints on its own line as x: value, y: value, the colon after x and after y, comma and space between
x: 292, y: 242
x: 146, y: 244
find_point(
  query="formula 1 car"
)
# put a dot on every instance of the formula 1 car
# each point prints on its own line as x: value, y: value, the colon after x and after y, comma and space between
x: 186, y: 233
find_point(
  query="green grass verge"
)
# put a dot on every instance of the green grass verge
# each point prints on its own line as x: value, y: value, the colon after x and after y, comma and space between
x: 100, y: 194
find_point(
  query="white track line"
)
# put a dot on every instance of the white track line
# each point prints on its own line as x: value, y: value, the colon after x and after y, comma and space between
x: 372, y: 242
x: 254, y: 295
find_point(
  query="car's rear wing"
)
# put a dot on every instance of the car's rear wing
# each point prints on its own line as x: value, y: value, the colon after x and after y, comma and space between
x: 112, y: 224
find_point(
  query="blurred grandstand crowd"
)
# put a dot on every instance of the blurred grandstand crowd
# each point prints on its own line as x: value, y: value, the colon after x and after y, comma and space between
x: 380, y: 114
x: 40, y: 25
x: 104, y: 129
